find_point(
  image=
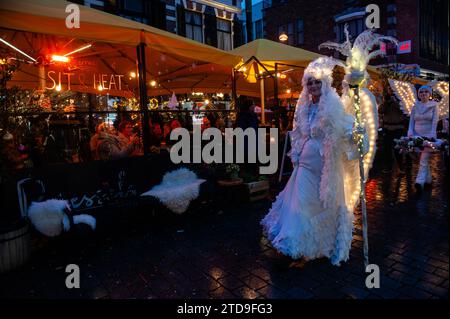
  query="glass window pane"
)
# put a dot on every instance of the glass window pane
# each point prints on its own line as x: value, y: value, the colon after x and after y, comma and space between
x: 198, y: 34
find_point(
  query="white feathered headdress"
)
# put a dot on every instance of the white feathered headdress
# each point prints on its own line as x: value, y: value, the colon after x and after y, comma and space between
x: 359, y: 54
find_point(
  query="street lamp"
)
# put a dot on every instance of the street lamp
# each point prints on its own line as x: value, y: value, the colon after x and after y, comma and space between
x: 283, y: 37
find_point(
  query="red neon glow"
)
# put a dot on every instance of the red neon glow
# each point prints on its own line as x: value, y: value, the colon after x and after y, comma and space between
x: 404, y: 46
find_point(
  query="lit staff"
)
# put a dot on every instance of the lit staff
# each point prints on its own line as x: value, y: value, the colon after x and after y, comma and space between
x: 362, y: 104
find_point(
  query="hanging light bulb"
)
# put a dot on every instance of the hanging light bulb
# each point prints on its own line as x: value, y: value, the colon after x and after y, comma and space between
x: 153, y: 83
x: 283, y: 37
x: 58, y: 87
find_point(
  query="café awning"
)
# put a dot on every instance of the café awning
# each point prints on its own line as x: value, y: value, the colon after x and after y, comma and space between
x: 39, y: 29
x: 270, y: 52
x: 49, y: 17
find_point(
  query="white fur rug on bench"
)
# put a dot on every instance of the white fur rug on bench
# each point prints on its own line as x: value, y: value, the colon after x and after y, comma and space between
x: 177, y: 190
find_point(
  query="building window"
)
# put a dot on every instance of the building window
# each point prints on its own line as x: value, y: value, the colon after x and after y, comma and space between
x: 392, y: 20
x: 133, y: 5
x: 433, y: 35
x: 355, y: 28
x: 290, y: 33
x: 194, y: 26
x: 391, y: 7
x: 224, y: 34
x: 300, y: 32
x: 392, y: 32
x: 259, y: 29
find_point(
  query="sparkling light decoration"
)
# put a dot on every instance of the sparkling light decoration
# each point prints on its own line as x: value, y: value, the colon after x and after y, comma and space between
x: 406, y: 93
x: 442, y: 88
x: 369, y: 119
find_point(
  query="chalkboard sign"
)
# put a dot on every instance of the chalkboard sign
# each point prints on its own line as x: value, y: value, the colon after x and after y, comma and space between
x: 104, y: 183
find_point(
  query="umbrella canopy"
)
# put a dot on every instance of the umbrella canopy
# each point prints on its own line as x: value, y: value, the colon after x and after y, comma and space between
x: 270, y: 52
x: 39, y: 29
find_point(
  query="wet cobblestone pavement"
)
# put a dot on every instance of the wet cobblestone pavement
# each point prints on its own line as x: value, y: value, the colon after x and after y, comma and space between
x: 222, y: 254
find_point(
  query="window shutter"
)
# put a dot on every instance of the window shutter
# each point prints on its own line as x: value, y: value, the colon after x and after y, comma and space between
x: 211, y: 30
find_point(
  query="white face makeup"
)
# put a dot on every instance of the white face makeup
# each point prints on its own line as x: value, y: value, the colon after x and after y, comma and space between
x: 424, y: 95
x: 314, y: 87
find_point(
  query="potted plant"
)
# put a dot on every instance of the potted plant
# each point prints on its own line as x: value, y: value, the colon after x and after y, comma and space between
x: 233, y: 171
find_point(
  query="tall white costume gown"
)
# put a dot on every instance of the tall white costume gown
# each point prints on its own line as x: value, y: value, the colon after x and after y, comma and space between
x: 312, y: 216
x: 423, y: 122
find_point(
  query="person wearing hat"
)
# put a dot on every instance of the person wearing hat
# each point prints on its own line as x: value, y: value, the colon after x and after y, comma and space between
x: 423, y: 123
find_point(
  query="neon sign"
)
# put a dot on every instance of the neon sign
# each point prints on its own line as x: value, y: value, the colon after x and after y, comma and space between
x: 404, y: 47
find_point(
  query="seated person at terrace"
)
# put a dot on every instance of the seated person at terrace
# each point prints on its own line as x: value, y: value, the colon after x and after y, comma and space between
x: 109, y: 146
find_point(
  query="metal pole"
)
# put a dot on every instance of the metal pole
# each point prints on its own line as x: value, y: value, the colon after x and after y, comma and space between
x: 284, y: 156
x: 142, y: 77
x: 275, y: 93
x: 263, y: 102
x: 233, y: 88
x: 233, y: 96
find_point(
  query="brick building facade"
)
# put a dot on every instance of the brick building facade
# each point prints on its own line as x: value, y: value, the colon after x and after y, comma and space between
x: 423, y: 22
x: 212, y: 22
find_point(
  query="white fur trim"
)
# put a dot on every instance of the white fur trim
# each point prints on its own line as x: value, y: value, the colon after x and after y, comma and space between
x: 85, y: 219
x: 47, y: 217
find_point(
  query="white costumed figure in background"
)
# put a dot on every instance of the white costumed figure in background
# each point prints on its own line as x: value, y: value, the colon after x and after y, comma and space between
x: 310, y: 217
x: 423, y: 122
x: 424, y: 115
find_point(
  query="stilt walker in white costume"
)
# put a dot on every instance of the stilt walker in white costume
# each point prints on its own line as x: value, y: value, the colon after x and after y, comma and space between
x: 313, y: 216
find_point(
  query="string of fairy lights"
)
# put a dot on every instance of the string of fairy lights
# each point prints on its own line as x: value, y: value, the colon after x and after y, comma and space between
x: 442, y: 88
x: 363, y: 114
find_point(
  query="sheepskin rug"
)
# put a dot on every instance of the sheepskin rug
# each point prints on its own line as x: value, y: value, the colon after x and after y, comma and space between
x: 177, y: 190
x: 50, y: 219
